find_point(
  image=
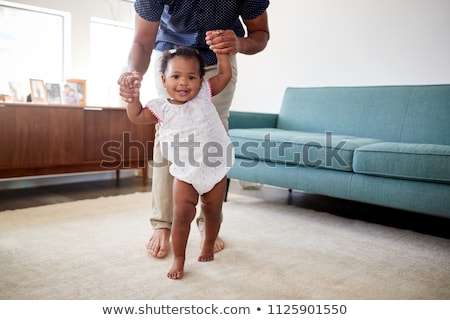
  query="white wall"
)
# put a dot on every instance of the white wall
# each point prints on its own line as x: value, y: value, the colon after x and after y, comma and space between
x: 346, y: 42
x: 313, y: 43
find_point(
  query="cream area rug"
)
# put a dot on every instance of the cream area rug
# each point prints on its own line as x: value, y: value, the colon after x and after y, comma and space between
x: 94, y: 249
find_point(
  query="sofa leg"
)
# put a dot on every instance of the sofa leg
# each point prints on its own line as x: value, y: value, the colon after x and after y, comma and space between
x: 226, y: 191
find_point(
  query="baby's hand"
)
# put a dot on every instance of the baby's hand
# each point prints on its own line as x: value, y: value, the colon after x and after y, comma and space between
x: 129, y: 83
x: 222, y: 41
x: 130, y: 80
x: 211, y: 33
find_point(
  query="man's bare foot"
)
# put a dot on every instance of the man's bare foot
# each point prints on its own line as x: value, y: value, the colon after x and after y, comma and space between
x: 218, y: 245
x: 159, y: 243
x: 177, y: 269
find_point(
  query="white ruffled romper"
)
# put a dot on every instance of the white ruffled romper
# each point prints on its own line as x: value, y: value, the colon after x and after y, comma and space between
x: 193, y: 139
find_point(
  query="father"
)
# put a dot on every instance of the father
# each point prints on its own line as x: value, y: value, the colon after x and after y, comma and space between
x: 165, y: 24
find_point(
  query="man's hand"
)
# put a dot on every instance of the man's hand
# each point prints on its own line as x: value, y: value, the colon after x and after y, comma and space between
x: 222, y: 41
x: 130, y: 83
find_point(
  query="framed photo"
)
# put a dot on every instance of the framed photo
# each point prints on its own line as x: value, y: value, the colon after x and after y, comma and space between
x: 17, y: 91
x: 74, y: 92
x: 38, y: 91
x: 53, y: 93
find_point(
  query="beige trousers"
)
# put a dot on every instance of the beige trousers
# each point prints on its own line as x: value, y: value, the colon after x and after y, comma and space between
x: 162, y: 181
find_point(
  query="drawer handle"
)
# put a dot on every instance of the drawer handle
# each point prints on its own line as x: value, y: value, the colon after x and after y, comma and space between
x: 93, y: 109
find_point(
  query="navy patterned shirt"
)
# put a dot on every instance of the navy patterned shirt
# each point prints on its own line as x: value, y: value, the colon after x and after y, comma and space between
x: 185, y: 22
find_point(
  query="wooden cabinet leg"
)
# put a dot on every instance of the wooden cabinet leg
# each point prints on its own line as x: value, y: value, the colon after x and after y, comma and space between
x: 117, y: 177
x: 144, y: 175
x: 226, y: 192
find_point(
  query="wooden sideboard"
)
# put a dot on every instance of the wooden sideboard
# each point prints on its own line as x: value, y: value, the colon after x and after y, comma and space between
x: 56, y: 139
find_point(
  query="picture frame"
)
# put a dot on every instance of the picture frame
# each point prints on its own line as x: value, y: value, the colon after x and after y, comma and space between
x: 53, y: 93
x: 74, y: 91
x: 38, y: 91
x: 17, y: 91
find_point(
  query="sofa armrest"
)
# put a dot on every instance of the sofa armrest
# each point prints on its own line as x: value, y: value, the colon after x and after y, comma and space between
x: 244, y: 120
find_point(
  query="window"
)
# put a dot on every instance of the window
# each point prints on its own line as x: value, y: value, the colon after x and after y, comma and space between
x: 34, y: 43
x: 110, y: 46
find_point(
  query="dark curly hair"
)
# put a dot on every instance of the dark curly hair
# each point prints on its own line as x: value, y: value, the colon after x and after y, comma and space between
x: 185, y: 52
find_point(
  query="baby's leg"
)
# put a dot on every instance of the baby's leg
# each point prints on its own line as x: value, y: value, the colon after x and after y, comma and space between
x: 185, y: 198
x: 212, y: 208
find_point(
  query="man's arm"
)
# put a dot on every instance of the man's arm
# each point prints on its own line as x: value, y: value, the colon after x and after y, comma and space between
x: 255, y: 41
x: 258, y: 35
x: 138, y: 58
x: 143, y: 44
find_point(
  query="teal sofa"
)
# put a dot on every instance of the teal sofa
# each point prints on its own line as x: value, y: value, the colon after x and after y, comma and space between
x: 383, y: 145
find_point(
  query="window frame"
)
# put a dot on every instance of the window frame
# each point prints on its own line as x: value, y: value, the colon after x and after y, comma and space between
x: 66, y: 34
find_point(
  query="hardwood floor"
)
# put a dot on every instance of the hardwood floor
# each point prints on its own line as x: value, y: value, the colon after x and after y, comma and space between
x: 43, y: 195
x: 29, y: 197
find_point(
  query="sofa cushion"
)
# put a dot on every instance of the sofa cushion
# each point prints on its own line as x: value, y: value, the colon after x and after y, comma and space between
x: 318, y: 150
x: 427, y: 117
x: 351, y: 111
x: 409, y: 114
x: 426, y: 162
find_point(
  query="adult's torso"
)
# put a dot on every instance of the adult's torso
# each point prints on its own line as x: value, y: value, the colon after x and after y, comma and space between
x: 185, y: 22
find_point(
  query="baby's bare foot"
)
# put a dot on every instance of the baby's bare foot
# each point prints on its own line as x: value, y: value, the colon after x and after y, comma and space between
x: 177, y: 269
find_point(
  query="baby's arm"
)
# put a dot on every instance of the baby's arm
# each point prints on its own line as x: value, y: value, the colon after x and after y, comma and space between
x: 224, y: 72
x: 139, y: 115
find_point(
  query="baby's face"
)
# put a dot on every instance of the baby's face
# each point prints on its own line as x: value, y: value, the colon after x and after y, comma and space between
x: 182, y: 79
